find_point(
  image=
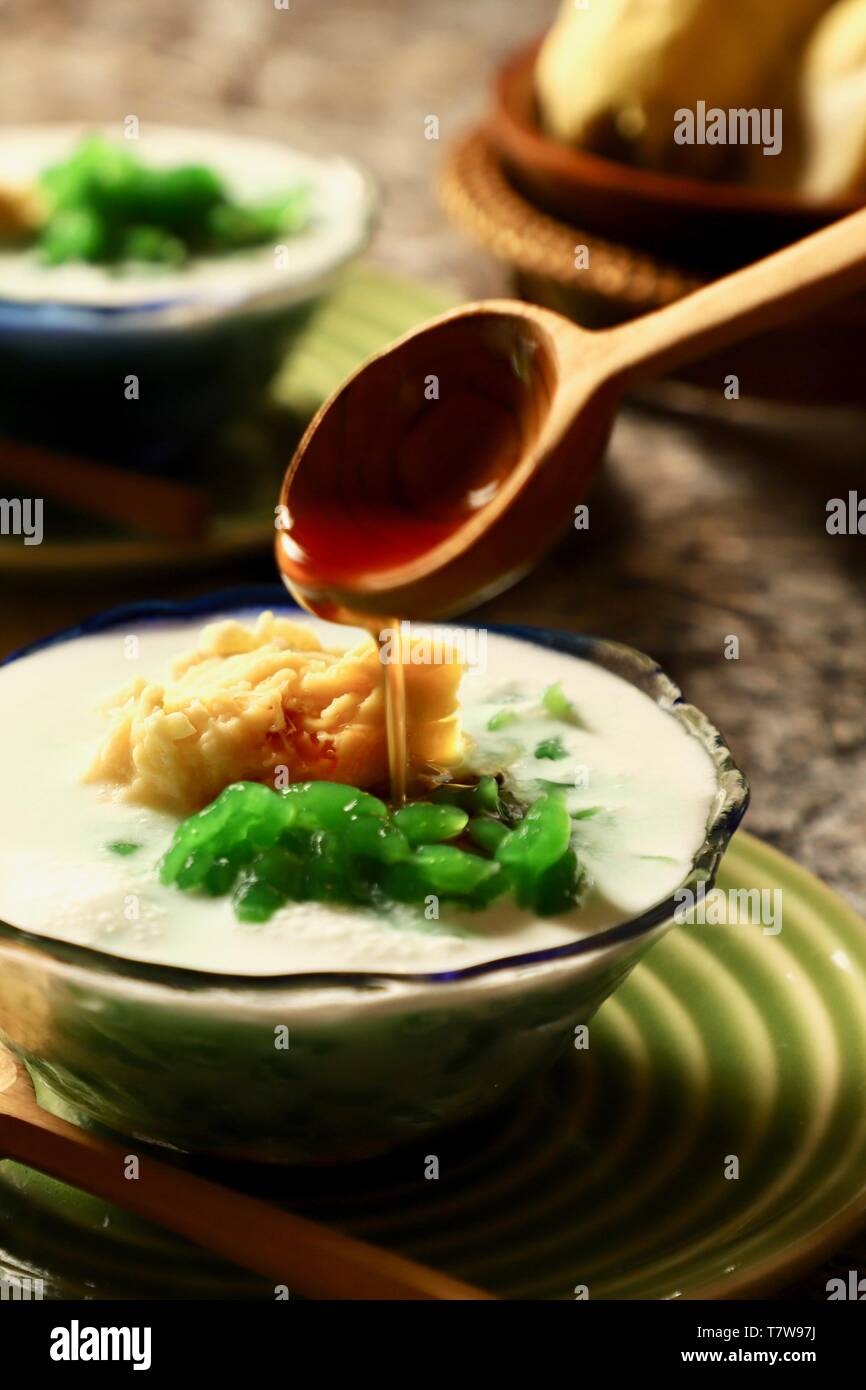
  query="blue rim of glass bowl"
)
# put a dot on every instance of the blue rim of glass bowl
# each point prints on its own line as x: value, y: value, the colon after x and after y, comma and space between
x: 640, y: 670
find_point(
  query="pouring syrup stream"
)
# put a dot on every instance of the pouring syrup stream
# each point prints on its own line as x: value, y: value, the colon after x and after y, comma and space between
x: 395, y: 717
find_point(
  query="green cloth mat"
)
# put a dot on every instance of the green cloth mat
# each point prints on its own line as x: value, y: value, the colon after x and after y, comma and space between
x: 367, y: 309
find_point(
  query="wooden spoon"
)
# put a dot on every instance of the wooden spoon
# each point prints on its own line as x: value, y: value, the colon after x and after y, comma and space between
x: 308, y: 1258
x: 444, y: 467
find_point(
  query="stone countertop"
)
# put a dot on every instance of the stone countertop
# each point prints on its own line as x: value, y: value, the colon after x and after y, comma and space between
x: 704, y: 525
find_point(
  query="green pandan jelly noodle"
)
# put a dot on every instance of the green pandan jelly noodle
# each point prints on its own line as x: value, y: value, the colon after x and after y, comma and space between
x: 329, y: 842
x: 104, y: 205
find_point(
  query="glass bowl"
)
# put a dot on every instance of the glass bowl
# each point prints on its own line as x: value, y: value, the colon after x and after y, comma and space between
x: 188, y: 1058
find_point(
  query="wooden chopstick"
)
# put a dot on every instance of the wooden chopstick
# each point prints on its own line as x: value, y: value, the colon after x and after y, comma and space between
x: 306, y: 1257
x: 157, y: 506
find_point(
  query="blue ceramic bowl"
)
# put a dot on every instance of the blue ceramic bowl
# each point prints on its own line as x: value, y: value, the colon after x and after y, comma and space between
x: 186, y: 1057
x: 203, y: 341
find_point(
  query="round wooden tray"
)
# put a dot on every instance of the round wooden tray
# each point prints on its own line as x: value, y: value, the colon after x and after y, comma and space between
x: 818, y: 360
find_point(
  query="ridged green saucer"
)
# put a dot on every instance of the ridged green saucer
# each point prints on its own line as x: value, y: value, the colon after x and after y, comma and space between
x: 727, y: 1042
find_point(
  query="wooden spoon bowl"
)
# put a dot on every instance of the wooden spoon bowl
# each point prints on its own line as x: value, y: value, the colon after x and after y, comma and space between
x: 418, y: 455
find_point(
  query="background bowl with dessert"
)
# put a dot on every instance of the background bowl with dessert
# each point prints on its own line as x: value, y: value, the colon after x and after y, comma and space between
x: 184, y: 259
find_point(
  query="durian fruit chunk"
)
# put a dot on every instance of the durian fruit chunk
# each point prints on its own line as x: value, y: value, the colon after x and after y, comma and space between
x: 22, y: 211
x: 247, y: 701
x: 611, y: 75
x: 834, y: 104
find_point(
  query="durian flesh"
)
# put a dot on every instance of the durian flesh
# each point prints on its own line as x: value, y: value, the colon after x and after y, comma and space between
x: 834, y: 104
x: 611, y: 76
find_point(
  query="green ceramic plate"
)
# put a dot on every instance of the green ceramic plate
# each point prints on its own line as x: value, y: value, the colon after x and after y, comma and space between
x: 726, y: 1043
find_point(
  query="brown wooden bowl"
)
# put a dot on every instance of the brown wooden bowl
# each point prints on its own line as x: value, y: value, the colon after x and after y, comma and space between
x: 710, y: 226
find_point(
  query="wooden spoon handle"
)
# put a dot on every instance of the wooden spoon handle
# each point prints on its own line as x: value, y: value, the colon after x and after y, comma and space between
x: 306, y: 1257
x: 804, y: 276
